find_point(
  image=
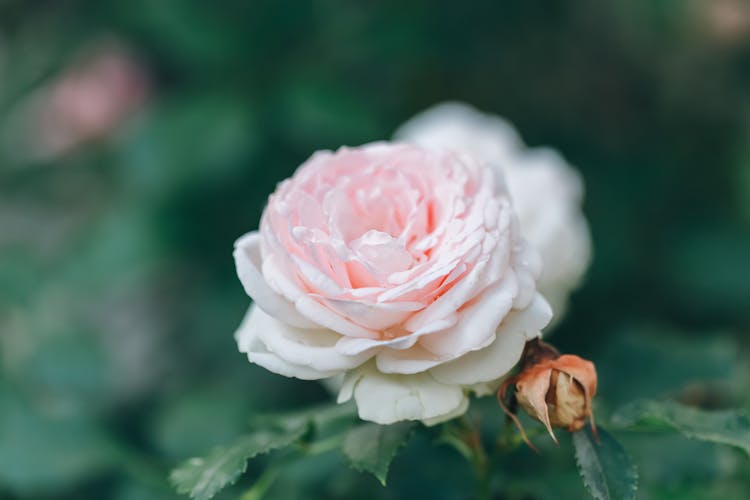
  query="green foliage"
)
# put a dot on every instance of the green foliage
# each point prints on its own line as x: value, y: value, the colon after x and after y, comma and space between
x: 605, y: 468
x: 118, y: 294
x: 323, y: 419
x: 322, y: 428
x: 368, y: 447
x: 202, y: 478
x: 39, y: 451
x: 371, y: 447
x: 730, y: 427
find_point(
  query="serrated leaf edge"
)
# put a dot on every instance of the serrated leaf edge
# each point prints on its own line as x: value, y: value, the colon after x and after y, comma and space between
x: 647, y: 412
x: 227, y: 451
x: 589, y: 488
x: 377, y: 475
x: 206, y: 476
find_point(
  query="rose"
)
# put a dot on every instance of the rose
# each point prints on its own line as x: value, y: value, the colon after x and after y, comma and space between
x: 91, y: 98
x: 401, y: 268
x: 546, y: 192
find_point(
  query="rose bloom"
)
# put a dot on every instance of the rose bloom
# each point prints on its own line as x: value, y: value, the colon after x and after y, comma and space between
x: 547, y: 193
x: 401, y: 268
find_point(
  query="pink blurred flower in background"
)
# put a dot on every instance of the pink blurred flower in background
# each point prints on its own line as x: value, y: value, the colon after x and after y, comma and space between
x: 88, y: 100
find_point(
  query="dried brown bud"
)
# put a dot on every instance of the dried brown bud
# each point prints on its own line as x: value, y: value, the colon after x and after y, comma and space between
x: 556, y: 390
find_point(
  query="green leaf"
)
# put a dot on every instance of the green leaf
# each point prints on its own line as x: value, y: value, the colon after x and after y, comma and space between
x: 202, y: 478
x: 371, y: 447
x: 606, y: 469
x: 320, y: 417
x: 730, y: 427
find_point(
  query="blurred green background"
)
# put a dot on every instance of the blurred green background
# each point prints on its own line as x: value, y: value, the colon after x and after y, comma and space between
x: 139, y: 139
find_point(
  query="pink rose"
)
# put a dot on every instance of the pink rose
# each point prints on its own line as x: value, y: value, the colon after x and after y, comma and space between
x: 401, y: 268
x: 547, y: 193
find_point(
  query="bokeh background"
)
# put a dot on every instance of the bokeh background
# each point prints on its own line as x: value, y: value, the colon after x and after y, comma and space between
x: 139, y: 139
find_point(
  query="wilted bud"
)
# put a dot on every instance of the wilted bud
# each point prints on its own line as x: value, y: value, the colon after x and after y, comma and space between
x: 556, y: 390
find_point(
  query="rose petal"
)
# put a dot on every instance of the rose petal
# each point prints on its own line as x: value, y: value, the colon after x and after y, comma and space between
x: 486, y: 388
x: 532, y: 389
x: 483, y: 274
x: 353, y: 346
x: 320, y: 314
x: 249, y: 343
x: 499, y: 357
x: 415, y: 360
x: 248, y: 262
x: 378, y: 316
x: 457, y: 126
x: 309, y: 307
x: 474, y: 329
x: 316, y: 280
x: 460, y: 410
x: 417, y: 284
x: 309, y: 348
x: 477, y: 322
x: 529, y: 267
x: 385, y: 399
x: 333, y: 384
x: 581, y: 369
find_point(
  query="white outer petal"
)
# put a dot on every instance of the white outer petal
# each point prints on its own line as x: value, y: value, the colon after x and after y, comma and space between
x: 567, y: 265
x: 415, y: 360
x: 249, y: 343
x: 458, y: 126
x: 333, y: 384
x: 302, y: 347
x: 499, y: 357
x: 557, y: 228
x: 247, y: 259
x: 460, y: 410
x: 486, y: 388
x: 385, y: 399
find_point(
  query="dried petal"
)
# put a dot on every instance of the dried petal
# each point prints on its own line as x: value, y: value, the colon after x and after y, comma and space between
x: 581, y: 369
x: 556, y: 390
x: 531, y: 391
x: 568, y: 404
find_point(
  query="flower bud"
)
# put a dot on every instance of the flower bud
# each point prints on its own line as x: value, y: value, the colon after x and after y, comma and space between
x: 567, y: 402
x: 556, y: 390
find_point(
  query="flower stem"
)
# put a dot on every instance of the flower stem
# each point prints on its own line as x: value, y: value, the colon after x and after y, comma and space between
x: 266, y: 479
x: 325, y: 445
x: 479, y: 460
x: 262, y: 485
x: 481, y: 466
